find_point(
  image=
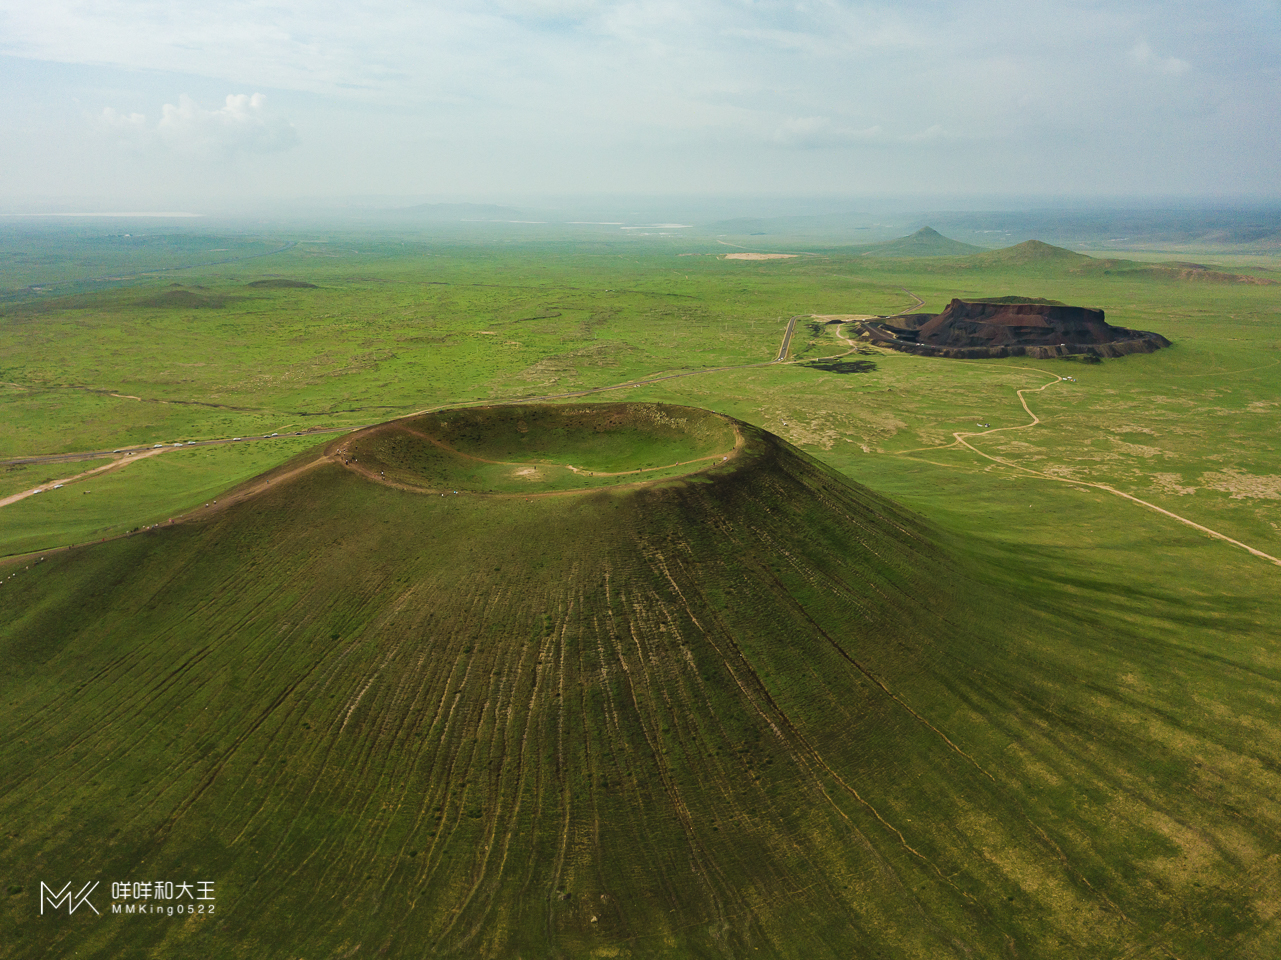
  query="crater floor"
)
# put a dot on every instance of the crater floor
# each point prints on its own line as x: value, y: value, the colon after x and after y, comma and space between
x: 540, y: 449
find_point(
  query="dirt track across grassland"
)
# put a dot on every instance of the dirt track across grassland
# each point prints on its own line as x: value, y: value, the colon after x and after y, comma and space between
x: 122, y: 461
x: 962, y: 438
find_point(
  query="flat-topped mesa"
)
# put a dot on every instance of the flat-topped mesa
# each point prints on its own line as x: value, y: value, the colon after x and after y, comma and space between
x: 970, y: 329
x: 981, y: 324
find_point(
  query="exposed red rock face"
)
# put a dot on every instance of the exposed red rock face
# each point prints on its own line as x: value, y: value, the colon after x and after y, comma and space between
x: 980, y: 329
x: 992, y: 324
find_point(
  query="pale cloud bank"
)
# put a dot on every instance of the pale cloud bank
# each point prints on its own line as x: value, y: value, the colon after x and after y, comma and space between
x: 242, y: 124
x: 488, y: 96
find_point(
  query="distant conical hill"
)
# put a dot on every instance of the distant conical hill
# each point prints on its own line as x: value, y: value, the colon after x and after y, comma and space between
x: 926, y: 242
x: 1030, y: 253
x: 435, y: 693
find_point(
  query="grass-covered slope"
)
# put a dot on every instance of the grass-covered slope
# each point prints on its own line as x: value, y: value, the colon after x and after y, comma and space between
x: 1030, y: 252
x: 758, y: 711
x: 926, y: 242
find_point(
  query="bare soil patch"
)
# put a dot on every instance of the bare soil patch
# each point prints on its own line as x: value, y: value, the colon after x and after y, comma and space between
x: 1242, y: 485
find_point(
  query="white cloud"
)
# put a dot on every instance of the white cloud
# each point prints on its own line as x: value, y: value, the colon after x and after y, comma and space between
x: 1142, y: 54
x: 242, y: 125
x: 126, y: 126
x: 625, y: 91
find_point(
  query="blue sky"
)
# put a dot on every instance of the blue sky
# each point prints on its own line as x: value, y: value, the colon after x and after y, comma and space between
x: 190, y: 104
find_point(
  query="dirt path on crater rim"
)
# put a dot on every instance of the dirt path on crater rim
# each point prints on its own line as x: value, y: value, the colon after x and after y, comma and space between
x: 961, y: 439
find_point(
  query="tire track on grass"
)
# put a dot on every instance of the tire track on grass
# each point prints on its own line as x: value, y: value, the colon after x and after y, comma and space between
x: 323, y: 748
x: 561, y: 763
x: 530, y: 713
x: 164, y: 829
x: 651, y: 730
x: 500, y: 749
x: 782, y: 591
x: 807, y: 755
x: 333, y: 741
x: 152, y: 691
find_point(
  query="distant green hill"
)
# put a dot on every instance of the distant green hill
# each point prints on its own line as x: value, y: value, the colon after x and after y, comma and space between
x: 1044, y: 259
x: 1031, y: 252
x: 424, y: 697
x: 281, y: 283
x: 188, y: 299
x: 926, y: 242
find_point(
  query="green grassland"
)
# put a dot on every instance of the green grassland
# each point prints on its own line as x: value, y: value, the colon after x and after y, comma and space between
x: 415, y: 330
x: 151, y: 491
x: 1108, y: 677
x: 395, y: 327
x: 86, y: 258
x: 17, y: 477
